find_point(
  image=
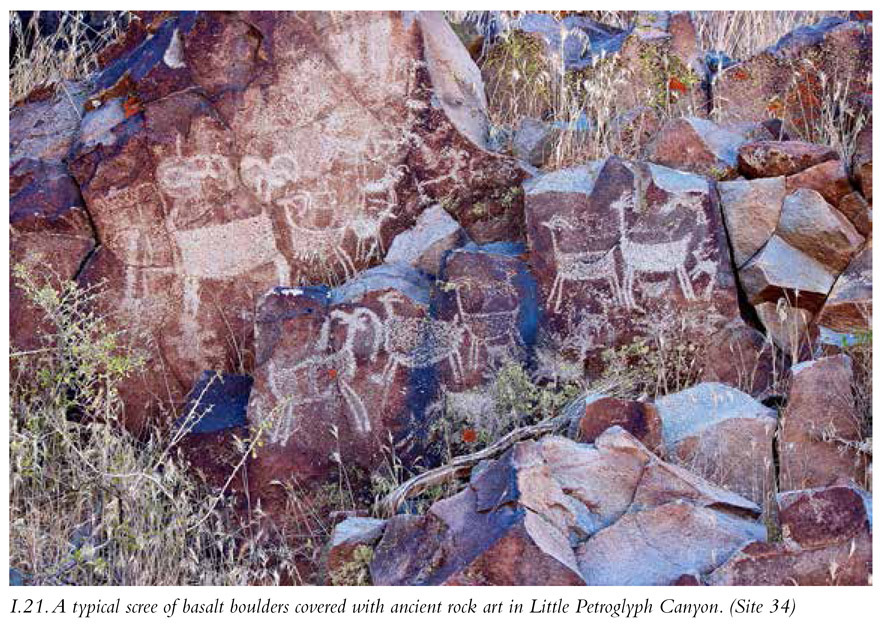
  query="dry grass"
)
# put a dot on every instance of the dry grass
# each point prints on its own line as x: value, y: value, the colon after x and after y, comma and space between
x: 92, y: 504
x: 68, y: 54
x: 742, y: 34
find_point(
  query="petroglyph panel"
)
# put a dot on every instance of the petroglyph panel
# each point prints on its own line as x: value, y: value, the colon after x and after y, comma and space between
x: 624, y: 243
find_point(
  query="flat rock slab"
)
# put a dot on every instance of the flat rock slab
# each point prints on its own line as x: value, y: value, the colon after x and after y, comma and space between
x: 698, y: 146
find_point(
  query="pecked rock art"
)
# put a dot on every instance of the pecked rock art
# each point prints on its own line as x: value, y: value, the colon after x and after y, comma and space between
x: 230, y: 153
x: 342, y: 373
x: 615, y: 244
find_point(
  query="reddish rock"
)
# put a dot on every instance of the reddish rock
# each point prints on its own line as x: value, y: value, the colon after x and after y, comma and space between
x: 819, y: 230
x: 768, y: 159
x: 795, y: 78
x: 751, y: 209
x: 696, y: 145
x: 829, y: 179
x: 779, y: 270
x: 638, y: 418
x: 848, y: 308
x: 739, y: 356
x: 857, y: 210
x: 722, y: 435
x: 614, y: 244
x: 523, y: 518
x: 302, y: 146
x: 820, y: 427
x: 826, y: 542
x: 789, y: 327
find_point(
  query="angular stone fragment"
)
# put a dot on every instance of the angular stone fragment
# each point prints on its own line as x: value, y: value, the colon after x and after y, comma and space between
x: 751, y: 209
x: 829, y: 179
x: 810, y: 224
x: 534, y: 141
x: 655, y: 547
x: 349, y: 538
x: 779, y: 269
x: 638, y: 418
x: 857, y: 210
x: 739, y: 356
x: 788, y: 326
x: 848, y: 308
x: 820, y: 432
x: 425, y: 245
x: 768, y: 159
x: 826, y: 542
x: 696, y: 145
x: 862, y: 162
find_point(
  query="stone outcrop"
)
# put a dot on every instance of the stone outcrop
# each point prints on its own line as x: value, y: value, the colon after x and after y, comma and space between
x: 827, y: 541
x: 696, y: 145
x: 848, y: 308
x: 557, y: 512
x: 751, y: 209
x: 232, y: 152
x: 769, y: 159
x: 613, y: 242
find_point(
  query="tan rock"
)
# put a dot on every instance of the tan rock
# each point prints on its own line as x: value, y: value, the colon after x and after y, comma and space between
x: 751, y: 209
x: 848, y: 308
x: 771, y: 158
x: 696, y: 145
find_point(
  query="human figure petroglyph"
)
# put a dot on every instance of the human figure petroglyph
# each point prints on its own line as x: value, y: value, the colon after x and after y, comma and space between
x: 580, y: 266
x: 417, y: 343
x: 662, y: 257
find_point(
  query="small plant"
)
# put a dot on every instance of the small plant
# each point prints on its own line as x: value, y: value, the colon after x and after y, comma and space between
x: 356, y: 571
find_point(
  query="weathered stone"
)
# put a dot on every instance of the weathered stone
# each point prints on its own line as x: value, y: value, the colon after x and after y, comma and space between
x: 523, y: 516
x: 44, y: 129
x: 534, y: 141
x: 751, y: 209
x: 779, y: 269
x: 819, y: 230
x: 857, y: 210
x: 814, y: 518
x: 848, y: 308
x: 488, y: 292
x: 348, y: 538
x: 638, y: 418
x: 696, y: 145
x: 826, y: 542
x: 656, y: 546
x: 789, y: 327
x: 820, y: 429
x: 829, y: 179
x: 739, y: 356
x: 794, y: 78
x: 766, y: 564
x: 425, y: 245
x: 723, y: 436
x: 768, y: 159
x: 862, y: 162
x: 263, y: 149
x: 614, y: 245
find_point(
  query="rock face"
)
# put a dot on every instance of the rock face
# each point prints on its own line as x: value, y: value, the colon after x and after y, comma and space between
x: 613, y: 242
x: 49, y: 227
x: 827, y: 541
x: 338, y: 372
x: 696, y: 145
x: 768, y: 159
x: 751, y: 209
x: 230, y: 153
x: 795, y: 76
x: 820, y: 430
x: 425, y: 245
x: 640, y: 419
x: 722, y: 435
x: 556, y: 512
x: 848, y: 308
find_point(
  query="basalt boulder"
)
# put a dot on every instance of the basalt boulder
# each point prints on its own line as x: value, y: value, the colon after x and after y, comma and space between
x: 623, y: 249
x: 231, y: 152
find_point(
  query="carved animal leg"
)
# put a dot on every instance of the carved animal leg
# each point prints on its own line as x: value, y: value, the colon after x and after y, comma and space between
x: 629, y: 301
x: 553, y: 290
x: 282, y: 270
x: 346, y: 261
x: 616, y: 288
x: 559, y: 295
x: 685, y: 282
x: 356, y: 407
